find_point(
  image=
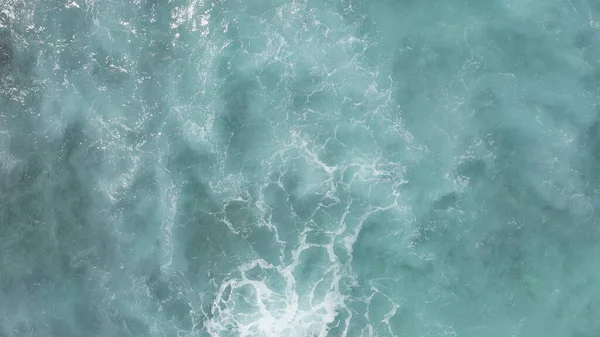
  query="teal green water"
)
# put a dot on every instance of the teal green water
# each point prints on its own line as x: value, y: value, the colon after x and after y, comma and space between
x: 299, y: 168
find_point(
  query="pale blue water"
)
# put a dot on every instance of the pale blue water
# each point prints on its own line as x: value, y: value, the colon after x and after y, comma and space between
x: 299, y: 168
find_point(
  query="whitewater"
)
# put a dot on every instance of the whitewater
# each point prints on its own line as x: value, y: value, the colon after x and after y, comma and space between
x: 299, y: 168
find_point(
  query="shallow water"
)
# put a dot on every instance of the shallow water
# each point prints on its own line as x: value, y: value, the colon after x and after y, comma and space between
x: 299, y: 168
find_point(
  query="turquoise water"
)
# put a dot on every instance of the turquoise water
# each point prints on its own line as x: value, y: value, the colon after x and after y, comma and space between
x: 299, y: 168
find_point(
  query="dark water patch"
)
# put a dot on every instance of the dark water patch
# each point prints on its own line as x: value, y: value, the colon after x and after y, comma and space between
x: 524, y: 49
x: 6, y: 52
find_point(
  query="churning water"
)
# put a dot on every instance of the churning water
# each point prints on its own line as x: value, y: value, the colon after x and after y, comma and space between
x: 299, y: 168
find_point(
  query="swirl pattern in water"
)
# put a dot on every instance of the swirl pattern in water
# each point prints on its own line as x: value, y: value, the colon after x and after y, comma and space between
x: 299, y: 168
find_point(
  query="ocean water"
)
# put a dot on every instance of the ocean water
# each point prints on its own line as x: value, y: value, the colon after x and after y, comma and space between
x: 299, y: 168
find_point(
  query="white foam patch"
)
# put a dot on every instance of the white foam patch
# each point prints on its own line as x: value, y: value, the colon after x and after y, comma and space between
x: 263, y: 307
x: 8, y: 162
